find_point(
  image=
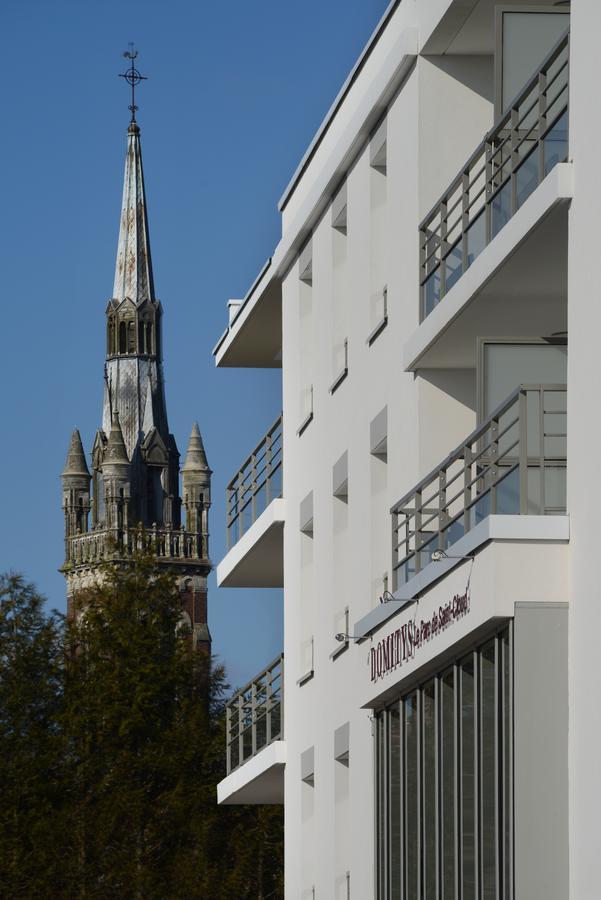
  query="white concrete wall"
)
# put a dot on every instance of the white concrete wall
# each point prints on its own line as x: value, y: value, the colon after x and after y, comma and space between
x: 584, y: 436
x: 344, y: 562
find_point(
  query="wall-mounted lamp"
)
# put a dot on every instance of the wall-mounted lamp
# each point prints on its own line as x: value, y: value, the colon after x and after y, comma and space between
x: 439, y: 555
x: 387, y: 597
x: 341, y: 637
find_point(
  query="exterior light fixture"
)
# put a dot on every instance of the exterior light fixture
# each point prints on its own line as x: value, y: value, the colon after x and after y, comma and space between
x: 387, y: 597
x: 439, y: 555
x: 341, y: 637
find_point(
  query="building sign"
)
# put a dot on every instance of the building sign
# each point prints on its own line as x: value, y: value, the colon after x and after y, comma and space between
x: 401, y: 646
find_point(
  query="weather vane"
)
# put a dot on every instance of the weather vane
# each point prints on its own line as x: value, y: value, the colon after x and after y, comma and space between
x: 133, y: 78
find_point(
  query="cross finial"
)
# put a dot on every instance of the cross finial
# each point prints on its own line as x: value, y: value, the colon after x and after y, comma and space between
x: 133, y: 78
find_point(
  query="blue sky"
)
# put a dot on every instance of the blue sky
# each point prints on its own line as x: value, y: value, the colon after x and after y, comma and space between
x: 235, y: 94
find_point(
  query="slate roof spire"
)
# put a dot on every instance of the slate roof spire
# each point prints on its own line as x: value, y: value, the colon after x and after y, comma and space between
x: 196, y: 458
x: 76, y: 458
x: 133, y: 271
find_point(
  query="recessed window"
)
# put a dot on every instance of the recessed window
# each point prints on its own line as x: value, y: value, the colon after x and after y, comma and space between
x: 378, y: 435
x: 305, y: 264
x: 341, y: 364
x: 377, y: 148
x: 340, y: 478
x: 339, y: 210
x: 306, y: 515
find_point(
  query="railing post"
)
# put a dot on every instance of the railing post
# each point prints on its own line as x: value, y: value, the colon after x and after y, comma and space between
x: 268, y: 705
x: 228, y: 735
x: 542, y: 123
x: 523, y: 448
x: 268, y: 463
x: 240, y: 729
x: 282, y: 732
x: 443, y: 247
x: 418, y: 530
x: 443, y: 516
x: 488, y: 191
x: 467, y: 488
x: 515, y: 158
x: 494, y: 467
x: 465, y: 219
x: 253, y: 717
x: 423, y: 250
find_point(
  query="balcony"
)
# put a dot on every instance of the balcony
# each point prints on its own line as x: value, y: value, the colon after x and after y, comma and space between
x: 514, y: 464
x: 498, y: 235
x: 255, y: 518
x: 255, y: 747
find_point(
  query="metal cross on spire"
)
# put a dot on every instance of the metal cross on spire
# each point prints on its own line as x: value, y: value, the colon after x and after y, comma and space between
x: 133, y: 78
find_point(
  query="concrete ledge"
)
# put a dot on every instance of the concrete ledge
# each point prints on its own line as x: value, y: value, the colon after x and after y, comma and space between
x: 555, y: 188
x: 494, y: 528
x: 257, y: 559
x: 260, y: 780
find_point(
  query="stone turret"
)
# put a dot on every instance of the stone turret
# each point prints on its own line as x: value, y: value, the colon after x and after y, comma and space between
x: 76, y: 488
x: 196, y: 484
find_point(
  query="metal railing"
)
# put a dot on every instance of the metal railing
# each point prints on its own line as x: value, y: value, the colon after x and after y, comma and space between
x: 255, y: 485
x: 164, y: 543
x: 514, y: 157
x: 514, y: 463
x: 255, y: 715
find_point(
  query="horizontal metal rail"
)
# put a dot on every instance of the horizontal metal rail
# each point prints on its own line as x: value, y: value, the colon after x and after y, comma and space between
x: 255, y: 485
x: 255, y: 715
x: 524, y: 145
x: 512, y: 464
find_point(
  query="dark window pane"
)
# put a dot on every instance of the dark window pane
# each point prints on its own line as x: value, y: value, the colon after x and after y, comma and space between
x: 431, y: 289
x: 411, y: 795
x: 447, y: 719
x: 429, y: 789
x: 382, y: 836
x: 453, y: 266
x: 507, y: 773
x: 526, y: 178
x: 394, y: 802
x: 468, y: 781
x: 488, y: 762
x: 501, y: 208
x: 476, y: 238
x: 556, y: 143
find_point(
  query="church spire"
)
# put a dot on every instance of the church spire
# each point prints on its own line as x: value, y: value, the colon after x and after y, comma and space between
x: 133, y: 271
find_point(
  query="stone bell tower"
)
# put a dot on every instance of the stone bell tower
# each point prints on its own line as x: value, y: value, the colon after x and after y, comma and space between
x: 135, y: 460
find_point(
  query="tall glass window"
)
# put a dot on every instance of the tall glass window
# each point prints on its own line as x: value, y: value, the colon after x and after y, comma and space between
x: 445, y: 783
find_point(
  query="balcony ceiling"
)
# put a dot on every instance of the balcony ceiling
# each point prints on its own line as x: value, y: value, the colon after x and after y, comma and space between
x: 525, y: 297
x: 468, y: 28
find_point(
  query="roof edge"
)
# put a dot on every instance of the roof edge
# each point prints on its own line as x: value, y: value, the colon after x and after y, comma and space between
x: 339, y: 100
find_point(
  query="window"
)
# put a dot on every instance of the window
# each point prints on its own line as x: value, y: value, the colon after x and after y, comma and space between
x: 444, y: 793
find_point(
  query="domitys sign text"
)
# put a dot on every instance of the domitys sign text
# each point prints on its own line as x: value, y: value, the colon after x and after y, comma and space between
x: 402, y: 645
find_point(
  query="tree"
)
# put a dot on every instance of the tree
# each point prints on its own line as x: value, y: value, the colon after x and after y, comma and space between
x: 113, y: 740
x: 144, y: 730
x: 31, y: 773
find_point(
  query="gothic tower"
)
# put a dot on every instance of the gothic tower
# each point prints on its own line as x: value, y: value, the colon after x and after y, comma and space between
x: 135, y: 460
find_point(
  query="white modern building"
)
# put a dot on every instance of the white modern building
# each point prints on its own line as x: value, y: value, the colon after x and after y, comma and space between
x: 435, y: 729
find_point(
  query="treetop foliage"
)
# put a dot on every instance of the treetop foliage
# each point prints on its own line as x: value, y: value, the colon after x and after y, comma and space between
x: 112, y: 739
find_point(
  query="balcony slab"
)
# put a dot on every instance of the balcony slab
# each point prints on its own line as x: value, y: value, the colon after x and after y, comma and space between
x: 517, y: 529
x: 257, y: 559
x: 260, y: 780
x: 463, y: 607
x: 530, y: 252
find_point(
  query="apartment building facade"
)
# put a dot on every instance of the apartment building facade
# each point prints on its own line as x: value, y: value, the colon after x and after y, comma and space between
x: 431, y: 726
